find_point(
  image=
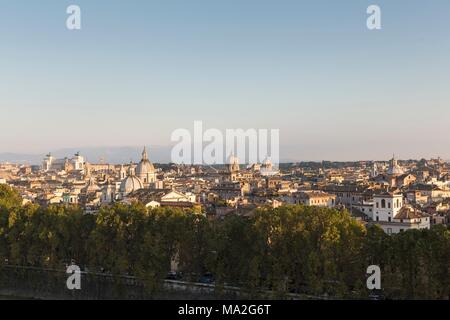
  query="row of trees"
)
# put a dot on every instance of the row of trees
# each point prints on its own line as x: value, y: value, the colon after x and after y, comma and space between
x: 292, y: 249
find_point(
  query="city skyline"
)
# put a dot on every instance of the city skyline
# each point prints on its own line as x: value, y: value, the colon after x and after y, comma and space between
x: 233, y: 151
x: 159, y: 154
x: 135, y: 73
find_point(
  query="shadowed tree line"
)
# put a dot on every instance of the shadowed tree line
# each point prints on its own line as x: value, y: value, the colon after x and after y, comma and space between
x: 291, y: 249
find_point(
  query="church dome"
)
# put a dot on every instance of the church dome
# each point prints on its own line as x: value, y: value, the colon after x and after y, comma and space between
x: 131, y: 184
x: 394, y: 168
x: 395, y: 171
x: 145, y: 166
x: 91, y: 186
x: 267, y: 163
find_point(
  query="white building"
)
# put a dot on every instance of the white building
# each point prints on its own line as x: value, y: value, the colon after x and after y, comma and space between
x: 366, y: 207
x: 47, y: 162
x: 176, y: 196
x: 393, y: 216
x: 172, y: 198
x: 386, y: 206
x: 50, y: 163
x: 153, y: 204
x: 78, y: 162
x: 267, y: 168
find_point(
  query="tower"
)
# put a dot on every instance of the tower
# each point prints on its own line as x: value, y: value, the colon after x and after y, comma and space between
x: 233, y: 168
x: 47, y: 162
x: 374, y: 172
x: 122, y: 172
x: 145, y: 170
x: 386, y: 206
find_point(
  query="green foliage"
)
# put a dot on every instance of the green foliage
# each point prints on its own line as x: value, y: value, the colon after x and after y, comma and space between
x: 9, y: 197
x: 291, y: 249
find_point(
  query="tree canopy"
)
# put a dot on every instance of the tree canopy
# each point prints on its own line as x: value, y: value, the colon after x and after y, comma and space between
x: 291, y: 249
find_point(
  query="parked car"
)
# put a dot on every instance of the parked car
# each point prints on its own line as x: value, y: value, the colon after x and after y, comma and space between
x: 173, y: 275
x: 207, y: 278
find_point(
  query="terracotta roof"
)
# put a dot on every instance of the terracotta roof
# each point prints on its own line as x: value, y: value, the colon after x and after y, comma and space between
x: 313, y: 194
x: 408, y: 212
x: 386, y: 194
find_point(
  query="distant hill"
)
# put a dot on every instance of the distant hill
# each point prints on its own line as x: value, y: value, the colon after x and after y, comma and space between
x: 113, y: 155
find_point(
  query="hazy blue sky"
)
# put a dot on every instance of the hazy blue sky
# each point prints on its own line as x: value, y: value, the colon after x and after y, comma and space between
x: 140, y: 69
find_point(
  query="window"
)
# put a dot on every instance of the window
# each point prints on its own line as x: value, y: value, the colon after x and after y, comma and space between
x: 377, y: 204
x: 389, y: 219
x: 383, y: 203
x: 378, y: 219
x: 389, y: 205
